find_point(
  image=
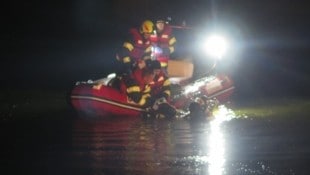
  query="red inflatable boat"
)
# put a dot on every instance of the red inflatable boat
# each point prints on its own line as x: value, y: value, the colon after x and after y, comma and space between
x: 100, y: 99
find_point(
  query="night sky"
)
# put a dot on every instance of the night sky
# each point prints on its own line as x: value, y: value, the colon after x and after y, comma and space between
x: 53, y: 44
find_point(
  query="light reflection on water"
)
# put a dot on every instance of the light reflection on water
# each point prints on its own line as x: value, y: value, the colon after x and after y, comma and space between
x: 138, y: 146
x: 216, y: 153
x: 219, y: 145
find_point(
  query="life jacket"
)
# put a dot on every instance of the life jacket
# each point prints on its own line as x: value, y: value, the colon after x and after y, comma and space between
x: 164, y: 40
x: 137, y: 45
x: 161, y: 85
x: 135, y: 88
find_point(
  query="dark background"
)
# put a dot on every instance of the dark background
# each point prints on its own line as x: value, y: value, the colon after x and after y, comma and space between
x: 50, y: 45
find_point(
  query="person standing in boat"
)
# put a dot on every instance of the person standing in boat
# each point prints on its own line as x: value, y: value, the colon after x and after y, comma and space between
x: 136, y: 47
x: 163, y: 42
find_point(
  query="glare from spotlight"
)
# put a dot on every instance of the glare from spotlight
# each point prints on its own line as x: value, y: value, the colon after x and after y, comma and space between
x: 216, y: 46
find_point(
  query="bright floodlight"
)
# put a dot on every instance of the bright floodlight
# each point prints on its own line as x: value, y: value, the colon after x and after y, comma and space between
x: 216, y: 46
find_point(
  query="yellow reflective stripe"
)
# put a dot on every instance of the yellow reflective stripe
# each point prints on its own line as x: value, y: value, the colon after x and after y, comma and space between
x: 163, y: 64
x: 146, y: 96
x: 129, y: 46
x: 126, y: 59
x: 147, y: 89
x: 167, y: 92
x: 148, y: 49
x: 171, y: 48
x: 142, y: 102
x: 164, y: 36
x: 172, y: 41
x: 167, y: 83
x: 143, y: 99
x: 133, y: 89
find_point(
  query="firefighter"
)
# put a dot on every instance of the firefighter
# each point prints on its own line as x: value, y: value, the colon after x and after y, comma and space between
x: 137, y: 86
x: 136, y: 47
x: 161, y: 85
x: 164, y: 40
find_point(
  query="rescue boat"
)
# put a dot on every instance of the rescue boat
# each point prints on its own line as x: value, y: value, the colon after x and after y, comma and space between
x: 99, y: 98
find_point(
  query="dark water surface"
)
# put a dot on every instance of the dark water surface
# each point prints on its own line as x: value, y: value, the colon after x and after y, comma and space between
x: 225, y: 144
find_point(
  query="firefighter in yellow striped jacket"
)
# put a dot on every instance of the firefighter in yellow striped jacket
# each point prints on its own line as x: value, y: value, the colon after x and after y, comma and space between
x: 137, y: 86
x: 161, y: 86
x: 164, y: 40
x: 136, y: 47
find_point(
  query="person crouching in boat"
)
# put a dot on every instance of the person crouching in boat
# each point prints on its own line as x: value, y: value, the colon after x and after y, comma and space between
x: 137, y: 86
x: 161, y: 91
x: 161, y: 86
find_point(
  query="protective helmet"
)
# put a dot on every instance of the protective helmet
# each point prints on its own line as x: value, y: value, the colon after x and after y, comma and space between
x: 155, y: 64
x: 160, y: 20
x: 147, y: 26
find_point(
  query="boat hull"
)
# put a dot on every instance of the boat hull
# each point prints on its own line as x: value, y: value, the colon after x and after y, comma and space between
x: 99, y: 99
x: 219, y: 87
x: 102, y: 101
